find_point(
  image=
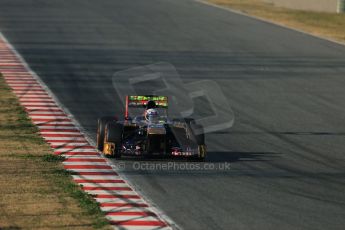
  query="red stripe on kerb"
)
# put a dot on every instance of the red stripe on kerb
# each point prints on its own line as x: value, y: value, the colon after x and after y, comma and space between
x: 4, y: 71
x: 139, y: 223
x: 130, y: 214
x: 95, y: 173
x: 72, y: 147
x: 36, y: 99
x: 11, y: 64
x: 34, y: 96
x: 31, y: 94
x: 14, y: 66
x: 117, y: 196
x: 38, y: 104
x: 77, y: 153
x: 25, y: 73
x: 59, y: 130
x: 50, y: 120
x: 53, y: 114
x: 66, y: 142
x: 98, y: 181
x: 48, y: 124
x: 18, y: 77
x: 42, y: 106
x: 23, y: 84
x: 26, y: 87
x: 52, y: 142
x: 29, y: 90
x: 20, y: 80
x: 62, y: 135
x: 28, y: 94
x: 14, y: 71
x: 32, y: 86
x: 43, y: 110
x: 39, y: 100
x: 10, y: 68
x: 106, y: 188
x: 46, y: 108
x: 122, y: 205
x: 87, y: 167
x: 84, y: 160
x: 12, y: 82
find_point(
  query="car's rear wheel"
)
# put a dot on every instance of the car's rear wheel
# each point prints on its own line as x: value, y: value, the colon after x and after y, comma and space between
x: 113, y: 134
x: 198, y: 137
x: 102, y: 122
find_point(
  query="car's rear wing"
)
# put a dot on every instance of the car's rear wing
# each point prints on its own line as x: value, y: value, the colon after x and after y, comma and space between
x: 137, y: 102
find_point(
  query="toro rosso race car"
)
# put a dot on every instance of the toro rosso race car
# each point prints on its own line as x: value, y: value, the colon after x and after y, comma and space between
x: 146, y: 130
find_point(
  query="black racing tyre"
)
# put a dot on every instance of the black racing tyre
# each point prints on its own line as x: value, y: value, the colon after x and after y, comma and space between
x: 199, y: 137
x: 101, y: 130
x: 113, y: 134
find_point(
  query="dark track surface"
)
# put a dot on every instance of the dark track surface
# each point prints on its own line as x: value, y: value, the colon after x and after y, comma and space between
x: 286, y: 88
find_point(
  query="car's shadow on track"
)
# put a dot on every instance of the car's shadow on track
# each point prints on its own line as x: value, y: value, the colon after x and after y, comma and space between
x: 216, y: 156
x: 239, y: 156
x: 216, y: 163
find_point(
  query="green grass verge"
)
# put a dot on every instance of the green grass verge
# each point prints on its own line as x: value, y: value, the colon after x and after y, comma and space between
x: 32, y: 174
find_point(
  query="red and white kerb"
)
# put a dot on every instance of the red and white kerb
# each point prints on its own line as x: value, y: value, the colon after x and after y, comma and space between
x: 123, y: 206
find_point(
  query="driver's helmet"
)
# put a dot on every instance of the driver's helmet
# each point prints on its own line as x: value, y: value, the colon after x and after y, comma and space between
x: 152, y: 112
x: 152, y: 115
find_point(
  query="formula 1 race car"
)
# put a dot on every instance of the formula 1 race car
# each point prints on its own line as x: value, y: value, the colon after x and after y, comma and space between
x: 146, y: 130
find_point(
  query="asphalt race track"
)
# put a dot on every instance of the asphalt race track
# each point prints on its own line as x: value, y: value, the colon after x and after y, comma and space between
x: 286, y: 88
